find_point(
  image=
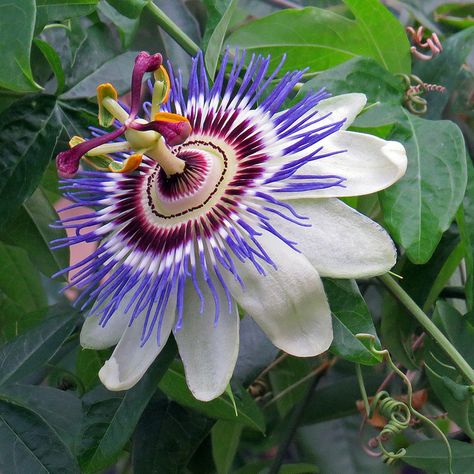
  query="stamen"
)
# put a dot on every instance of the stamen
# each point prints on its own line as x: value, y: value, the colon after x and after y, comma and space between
x: 67, y: 162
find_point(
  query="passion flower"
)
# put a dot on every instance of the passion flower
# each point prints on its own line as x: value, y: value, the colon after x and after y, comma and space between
x: 216, y: 197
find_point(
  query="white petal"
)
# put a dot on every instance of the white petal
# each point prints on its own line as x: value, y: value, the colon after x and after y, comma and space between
x: 288, y: 303
x: 345, y: 106
x: 208, y: 351
x: 370, y: 164
x: 94, y: 336
x: 342, y: 243
x: 341, y: 107
x: 129, y: 361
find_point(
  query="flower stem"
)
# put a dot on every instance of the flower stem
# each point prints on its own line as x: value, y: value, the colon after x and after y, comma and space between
x: 173, y: 29
x: 430, y: 328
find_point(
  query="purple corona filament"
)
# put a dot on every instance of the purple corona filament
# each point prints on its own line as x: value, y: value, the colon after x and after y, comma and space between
x: 158, y: 232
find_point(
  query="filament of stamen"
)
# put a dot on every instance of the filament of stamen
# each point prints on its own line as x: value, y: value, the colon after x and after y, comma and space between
x: 115, y: 109
x: 114, y: 147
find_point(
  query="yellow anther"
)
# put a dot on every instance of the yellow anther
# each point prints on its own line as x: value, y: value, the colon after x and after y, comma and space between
x: 130, y: 164
x: 106, y: 90
x: 161, y: 75
x: 75, y: 140
x: 170, y: 117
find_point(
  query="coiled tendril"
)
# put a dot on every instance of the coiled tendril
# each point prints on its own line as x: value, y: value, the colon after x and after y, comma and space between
x: 414, y: 88
x: 400, y: 415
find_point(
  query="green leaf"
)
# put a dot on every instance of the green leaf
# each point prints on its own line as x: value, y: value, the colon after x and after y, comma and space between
x: 29, y: 130
x: 61, y: 410
x: 320, y: 39
x: 420, y: 280
x: 117, y: 71
x: 51, y: 11
x: 54, y: 61
x: 76, y: 116
x: 130, y: 8
x: 225, y: 436
x: 88, y: 364
x: 457, y: 15
x: 256, y: 352
x: 439, y: 367
x: 351, y: 316
x: 17, y: 281
x: 166, y: 438
x: 18, y: 20
x: 432, y: 455
x: 110, y: 421
x: 289, y: 372
x: 173, y: 384
x: 11, y: 317
x: 33, y: 349
x: 30, y: 229
x: 214, y: 45
x: 126, y: 27
x: 32, y: 445
x: 382, y: 30
x: 421, y: 206
x: 466, y: 228
x: 215, y: 11
x: 397, y: 331
x: 335, y: 447
x: 91, y: 47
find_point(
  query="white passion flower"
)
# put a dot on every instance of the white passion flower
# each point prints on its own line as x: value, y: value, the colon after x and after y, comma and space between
x: 216, y: 198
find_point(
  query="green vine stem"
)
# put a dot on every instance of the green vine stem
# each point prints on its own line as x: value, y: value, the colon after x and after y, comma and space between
x: 429, y: 327
x: 173, y: 29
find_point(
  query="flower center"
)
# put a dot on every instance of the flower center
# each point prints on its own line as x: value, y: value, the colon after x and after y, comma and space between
x: 193, y: 188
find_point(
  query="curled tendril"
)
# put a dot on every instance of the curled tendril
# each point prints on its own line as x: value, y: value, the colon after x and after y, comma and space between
x: 433, y: 44
x: 414, y: 88
x: 399, y: 414
x: 399, y: 417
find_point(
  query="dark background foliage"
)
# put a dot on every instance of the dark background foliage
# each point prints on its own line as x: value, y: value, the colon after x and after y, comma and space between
x: 290, y: 415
